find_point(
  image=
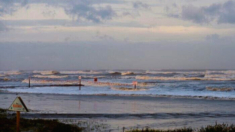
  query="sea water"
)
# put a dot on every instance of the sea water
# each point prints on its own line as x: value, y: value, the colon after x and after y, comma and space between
x: 213, y: 84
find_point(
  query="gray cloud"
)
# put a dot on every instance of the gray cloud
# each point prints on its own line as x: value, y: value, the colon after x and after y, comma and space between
x: 194, y: 14
x: 86, y: 11
x: 221, y: 13
x: 139, y: 5
x: 6, y: 7
x: 10, y: 6
x: 79, y: 9
x: 172, y: 10
x: 227, y: 15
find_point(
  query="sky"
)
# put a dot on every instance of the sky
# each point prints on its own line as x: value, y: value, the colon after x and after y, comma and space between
x: 117, y: 34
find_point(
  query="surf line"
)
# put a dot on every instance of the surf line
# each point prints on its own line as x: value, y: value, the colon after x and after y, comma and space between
x: 75, y: 83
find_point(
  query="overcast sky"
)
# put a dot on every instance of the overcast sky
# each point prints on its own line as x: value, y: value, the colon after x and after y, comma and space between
x: 117, y: 34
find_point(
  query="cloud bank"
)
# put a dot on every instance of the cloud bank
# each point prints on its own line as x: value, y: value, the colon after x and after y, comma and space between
x: 88, y: 12
x: 220, y: 13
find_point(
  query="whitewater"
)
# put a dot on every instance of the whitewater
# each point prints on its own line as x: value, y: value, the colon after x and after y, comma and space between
x: 206, y: 84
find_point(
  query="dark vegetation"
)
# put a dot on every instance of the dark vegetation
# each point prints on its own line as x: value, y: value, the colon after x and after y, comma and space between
x: 34, y: 125
x: 153, y: 130
x: 209, y: 128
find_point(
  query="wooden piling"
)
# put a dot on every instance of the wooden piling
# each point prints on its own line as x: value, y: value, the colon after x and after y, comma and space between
x: 29, y: 82
x: 18, y: 121
x: 80, y: 80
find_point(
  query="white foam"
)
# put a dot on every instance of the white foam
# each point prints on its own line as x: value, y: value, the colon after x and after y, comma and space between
x: 159, y: 72
x: 176, y: 72
x: 80, y: 72
x: 12, y: 72
x: 127, y: 73
x: 49, y: 76
x: 220, y: 76
x: 221, y: 72
x: 181, y: 78
x: 114, y: 73
x: 128, y: 88
x: 167, y: 78
x: 47, y: 72
x: 219, y: 89
x: 86, y: 83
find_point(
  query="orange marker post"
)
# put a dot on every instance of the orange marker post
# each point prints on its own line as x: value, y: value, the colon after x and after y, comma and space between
x: 80, y: 80
x: 135, y: 84
x: 95, y: 79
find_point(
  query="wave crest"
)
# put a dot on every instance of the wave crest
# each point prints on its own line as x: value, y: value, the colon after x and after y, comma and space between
x: 12, y: 73
x: 128, y: 88
x: 49, y: 76
x: 128, y: 73
x: 115, y: 73
x: 220, y: 89
x: 47, y: 72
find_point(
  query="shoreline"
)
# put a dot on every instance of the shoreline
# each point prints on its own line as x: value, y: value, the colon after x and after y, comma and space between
x: 129, y: 95
x: 125, y: 111
x: 72, y: 125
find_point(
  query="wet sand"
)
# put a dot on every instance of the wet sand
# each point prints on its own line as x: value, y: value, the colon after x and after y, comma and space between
x: 126, y: 111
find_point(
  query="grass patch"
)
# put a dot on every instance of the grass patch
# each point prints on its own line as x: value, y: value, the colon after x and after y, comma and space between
x: 209, y: 128
x: 218, y: 128
x: 34, y: 125
x: 154, y: 130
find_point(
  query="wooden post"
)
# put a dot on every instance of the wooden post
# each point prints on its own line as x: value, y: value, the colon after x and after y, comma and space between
x: 80, y: 82
x: 135, y: 84
x: 29, y: 82
x: 18, y: 121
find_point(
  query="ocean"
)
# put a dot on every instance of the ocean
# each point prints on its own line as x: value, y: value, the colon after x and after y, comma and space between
x: 208, y: 84
x: 162, y: 99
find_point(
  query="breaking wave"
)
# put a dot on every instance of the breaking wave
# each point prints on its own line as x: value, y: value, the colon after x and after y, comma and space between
x: 47, y: 72
x: 4, y: 79
x: 159, y: 72
x: 128, y: 88
x: 220, y: 89
x: 221, y: 72
x: 175, y: 72
x: 12, y: 73
x: 115, y: 73
x: 88, y: 83
x: 128, y: 73
x: 182, y: 78
x: 80, y: 72
x: 122, y: 91
x: 49, y: 76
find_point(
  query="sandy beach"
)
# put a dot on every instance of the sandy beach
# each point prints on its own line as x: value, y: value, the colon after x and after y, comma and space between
x: 116, y: 112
